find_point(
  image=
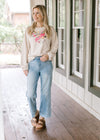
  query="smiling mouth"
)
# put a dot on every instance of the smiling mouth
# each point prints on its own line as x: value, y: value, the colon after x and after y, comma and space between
x: 35, y: 18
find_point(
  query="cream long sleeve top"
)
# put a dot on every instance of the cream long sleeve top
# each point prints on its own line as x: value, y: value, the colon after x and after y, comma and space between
x: 38, y: 44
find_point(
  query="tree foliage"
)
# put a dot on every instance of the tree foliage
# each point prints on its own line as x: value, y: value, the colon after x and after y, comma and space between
x: 2, y: 3
x: 12, y: 34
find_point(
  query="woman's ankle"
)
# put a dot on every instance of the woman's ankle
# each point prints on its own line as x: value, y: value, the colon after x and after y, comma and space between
x: 41, y: 118
x: 36, y: 114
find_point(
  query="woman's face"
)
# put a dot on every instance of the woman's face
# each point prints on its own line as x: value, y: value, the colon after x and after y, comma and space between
x: 37, y: 15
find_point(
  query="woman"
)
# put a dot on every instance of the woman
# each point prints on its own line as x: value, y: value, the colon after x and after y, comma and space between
x: 40, y: 46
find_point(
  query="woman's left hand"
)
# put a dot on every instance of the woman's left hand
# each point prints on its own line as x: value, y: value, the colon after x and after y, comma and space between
x: 44, y: 58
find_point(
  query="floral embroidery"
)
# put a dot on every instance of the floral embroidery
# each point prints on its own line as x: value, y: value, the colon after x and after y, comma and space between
x: 38, y: 36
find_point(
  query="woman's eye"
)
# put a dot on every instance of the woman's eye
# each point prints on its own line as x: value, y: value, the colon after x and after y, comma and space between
x: 36, y: 13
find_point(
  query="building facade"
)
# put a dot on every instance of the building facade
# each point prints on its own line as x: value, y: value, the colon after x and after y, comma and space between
x: 77, y: 63
x: 17, y: 14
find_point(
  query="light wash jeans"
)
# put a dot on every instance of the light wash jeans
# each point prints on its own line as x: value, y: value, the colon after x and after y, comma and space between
x: 37, y: 69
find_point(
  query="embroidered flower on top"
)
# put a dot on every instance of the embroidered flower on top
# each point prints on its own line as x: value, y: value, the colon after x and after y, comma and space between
x: 38, y: 36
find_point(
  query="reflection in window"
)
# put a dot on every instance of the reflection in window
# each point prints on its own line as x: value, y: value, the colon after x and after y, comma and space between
x: 78, y: 37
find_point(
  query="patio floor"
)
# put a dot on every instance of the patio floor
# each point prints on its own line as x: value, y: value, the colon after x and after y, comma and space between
x: 69, y: 121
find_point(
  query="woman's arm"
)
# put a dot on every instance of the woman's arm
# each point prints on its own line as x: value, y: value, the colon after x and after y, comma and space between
x: 53, y: 46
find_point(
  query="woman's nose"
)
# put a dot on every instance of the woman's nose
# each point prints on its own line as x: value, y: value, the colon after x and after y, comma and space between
x: 34, y: 14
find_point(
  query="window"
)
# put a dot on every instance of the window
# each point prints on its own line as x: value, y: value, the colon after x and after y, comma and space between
x: 97, y: 45
x: 50, y: 11
x: 61, y: 33
x: 78, y: 38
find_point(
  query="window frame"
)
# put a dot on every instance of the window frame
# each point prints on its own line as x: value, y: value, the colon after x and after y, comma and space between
x: 97, y: 47
x: 60, y: 69
x: 93, y: 89
x: 72, y: 77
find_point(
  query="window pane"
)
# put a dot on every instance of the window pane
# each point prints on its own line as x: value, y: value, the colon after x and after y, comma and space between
x: 79, y: 19
x: 76, y: 19
x: 78, y: 38
x: 62, y: 34
x: 96, y: 74
x: 62, y: 61
x: 62, y: 46
x: 98, y: 80
x: 77, y: 65
x: 49, y: 11
x: 77, y: 50
x: 76, y: 5
x: 81, y: 4
x: 82, y: 18
x: 61, y: 13
x: 60, y: 18
x: 98, y: 13
x: 79, y: 13
x: 97, y: 58
x: 78, y: 33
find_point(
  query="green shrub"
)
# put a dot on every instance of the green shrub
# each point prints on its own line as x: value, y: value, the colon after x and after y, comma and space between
x: 12, y: 34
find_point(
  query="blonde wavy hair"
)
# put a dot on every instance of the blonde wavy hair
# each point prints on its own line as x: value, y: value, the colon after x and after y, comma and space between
x: 31, y: 28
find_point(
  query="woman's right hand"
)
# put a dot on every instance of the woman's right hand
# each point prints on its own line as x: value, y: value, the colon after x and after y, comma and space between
x: 25, y: 72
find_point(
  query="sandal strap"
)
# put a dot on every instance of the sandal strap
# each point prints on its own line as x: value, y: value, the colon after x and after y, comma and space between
x: 34, y: 119
x: 41, y: 122
x: 40, y: 125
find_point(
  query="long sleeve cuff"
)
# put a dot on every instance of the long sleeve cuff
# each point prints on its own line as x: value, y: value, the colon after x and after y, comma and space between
x: 24, y: 67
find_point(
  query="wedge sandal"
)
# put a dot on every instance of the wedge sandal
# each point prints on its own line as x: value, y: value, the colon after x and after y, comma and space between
x: 34, y: 120
x: 41, y: 125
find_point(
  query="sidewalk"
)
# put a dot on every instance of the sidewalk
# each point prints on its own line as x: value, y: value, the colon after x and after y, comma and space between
x: 69, y: 121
